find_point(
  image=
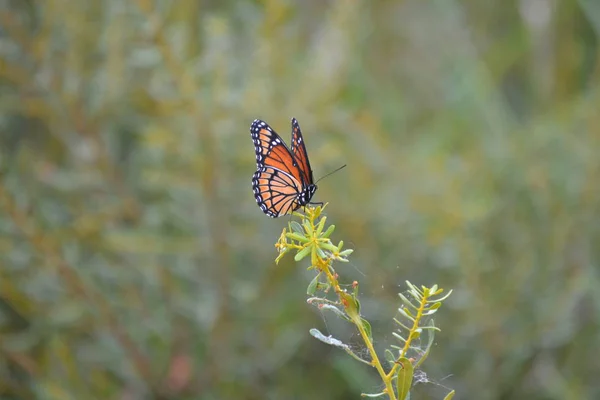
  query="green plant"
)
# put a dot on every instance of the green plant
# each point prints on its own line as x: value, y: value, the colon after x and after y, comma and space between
x: 311, y: 237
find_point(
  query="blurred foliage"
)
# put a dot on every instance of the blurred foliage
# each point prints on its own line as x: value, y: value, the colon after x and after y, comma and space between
x: 136, y: 264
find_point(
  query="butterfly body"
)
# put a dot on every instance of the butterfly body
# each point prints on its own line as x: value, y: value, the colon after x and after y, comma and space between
x: 283, y: 181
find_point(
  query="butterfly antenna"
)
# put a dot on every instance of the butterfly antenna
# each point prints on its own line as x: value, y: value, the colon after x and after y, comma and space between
x: 332, y: 172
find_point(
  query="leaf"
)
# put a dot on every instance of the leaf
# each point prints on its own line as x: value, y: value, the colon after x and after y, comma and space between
x: 399, y: 337
x: 407, y: 301
x: 296, y: 237
x: 327, y: 339
x: 430, y: 336
x: 330, y: 340
x: 372, y: 395
x: 321, y: 253
x: 401, y: 311
x: 389, y: 357
x: 450, y: 395
x: 335, y: 310
x: 429, y: 312
x: 302, y: 253
x: 405, y: 377
x: 346, y: 252
x: 329, y: 231
x: 443, y: 298
x: 415, y: 335
x: 296, y: 227
x: 321, y: 225
x: 401, y: 324
x: 312, y: 286
x: 367, y: 327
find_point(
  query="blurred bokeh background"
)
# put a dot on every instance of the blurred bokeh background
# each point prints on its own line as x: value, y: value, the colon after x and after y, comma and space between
x: 135, y: 263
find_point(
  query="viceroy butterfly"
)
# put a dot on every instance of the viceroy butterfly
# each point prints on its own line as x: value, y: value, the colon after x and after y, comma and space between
x: 283, y: 181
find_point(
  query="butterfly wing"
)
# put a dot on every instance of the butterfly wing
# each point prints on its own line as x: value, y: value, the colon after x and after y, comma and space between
x: 278, y: 182
x: 300, y: 154
x: 275, y: 191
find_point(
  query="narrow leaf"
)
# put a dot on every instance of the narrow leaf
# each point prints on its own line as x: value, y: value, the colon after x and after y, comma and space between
x: 401, y: 324
x: 296, y: 227
x: 405, y: 378
x: 321, y: 225
x: 413, y: 287
x: 401, y: 311
x: 312, y: 286
x: 302, y: 253
x: 335, y: 310
x: 329, y: 231
x: 399, y: 337
x: 407, y: 301
x: 430, y: 337
x: 373, y: 395
x: 297, y: 237
x: 367, y: 327
x: 321, y: 253
x: 327, y: 339
x: 389, y: 356
x: 445, y: 297
x: 450, y: 395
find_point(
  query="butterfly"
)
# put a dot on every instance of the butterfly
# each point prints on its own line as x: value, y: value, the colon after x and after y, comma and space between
x: 283, y: 181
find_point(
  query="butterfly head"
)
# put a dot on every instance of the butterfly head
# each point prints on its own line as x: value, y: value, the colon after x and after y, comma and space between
x: 307, y: 194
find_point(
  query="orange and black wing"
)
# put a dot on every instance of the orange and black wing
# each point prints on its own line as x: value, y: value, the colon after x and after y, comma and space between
x: 278, y: 182
x: 300, y: 154
x: 276, y: 192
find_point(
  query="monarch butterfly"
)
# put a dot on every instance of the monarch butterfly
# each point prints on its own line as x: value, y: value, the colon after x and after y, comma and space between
x: 283, y: 181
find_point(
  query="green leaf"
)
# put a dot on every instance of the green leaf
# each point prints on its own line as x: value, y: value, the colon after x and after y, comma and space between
x: 321, y: 225
x: 328, y: 246
x: 372, y: 395
x: 312, y: 286
x: 346, y: 252
x: 329, y: 231
x: 401, y: 324
x: 357, y: 302
x: 450, y: 395
x: 321, y: 253
x: 307, y: 227
x: 327, y: 339
x: 297, y: 237
x: 330, y: 340
x: 296, y: 227
x: 404, y: 311
x: 429, y: 312
x: 413, y: 288
x: 407, y: 301
x: 399, y: 337
x: 405, y: 377
x: 367, y: 326
x: 389, y: 356
x: 302, y: 253
x: 445, y: 297
x: 430, y: 337
x: 335, y: 310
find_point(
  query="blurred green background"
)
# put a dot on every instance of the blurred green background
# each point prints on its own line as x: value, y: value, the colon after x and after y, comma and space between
x: 135, y: 263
